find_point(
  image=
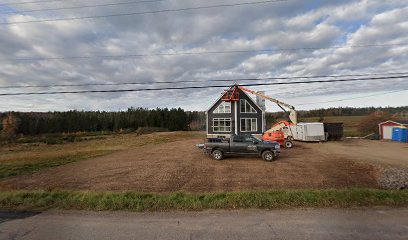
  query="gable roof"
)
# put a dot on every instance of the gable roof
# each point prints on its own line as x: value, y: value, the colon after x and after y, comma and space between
x: 218, y: 99
x: 400, y: 122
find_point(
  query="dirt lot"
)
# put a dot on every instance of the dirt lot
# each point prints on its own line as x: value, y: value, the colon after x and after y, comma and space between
x: 180, y: 166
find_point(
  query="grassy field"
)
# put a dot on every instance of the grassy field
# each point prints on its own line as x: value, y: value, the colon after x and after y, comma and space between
x: 19, y: 200
x: 25, y: 158
x: 350, y: 123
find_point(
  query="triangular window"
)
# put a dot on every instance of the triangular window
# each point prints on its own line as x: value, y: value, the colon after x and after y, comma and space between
x: 246, y: 107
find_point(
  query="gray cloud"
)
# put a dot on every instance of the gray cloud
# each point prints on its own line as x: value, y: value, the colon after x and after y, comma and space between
x: 292, y: 24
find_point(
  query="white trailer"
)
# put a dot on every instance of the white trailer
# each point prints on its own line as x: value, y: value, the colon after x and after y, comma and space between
x: 308, y: 132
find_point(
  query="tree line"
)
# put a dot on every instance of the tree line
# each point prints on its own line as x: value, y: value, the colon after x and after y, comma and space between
x: 175, y: 119
x: 34, y: 123
x: 343, y: 111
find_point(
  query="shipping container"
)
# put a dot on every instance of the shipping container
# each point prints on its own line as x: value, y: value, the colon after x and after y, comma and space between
x: 400, y: 134
x: 308, y: 132
x: 334, y: 130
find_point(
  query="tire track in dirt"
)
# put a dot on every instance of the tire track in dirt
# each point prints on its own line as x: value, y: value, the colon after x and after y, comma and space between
x: 180, y: 166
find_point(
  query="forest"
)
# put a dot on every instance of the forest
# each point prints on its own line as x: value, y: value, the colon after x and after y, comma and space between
x: 34, y: 123
x: 175, y: 119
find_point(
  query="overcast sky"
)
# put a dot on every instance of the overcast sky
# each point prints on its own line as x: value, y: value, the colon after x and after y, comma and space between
x: 292, y: 24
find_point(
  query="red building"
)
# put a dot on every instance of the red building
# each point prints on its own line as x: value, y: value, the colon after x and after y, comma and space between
x: 385, y: 128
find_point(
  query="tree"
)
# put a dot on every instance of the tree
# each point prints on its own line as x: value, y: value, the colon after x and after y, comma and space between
x: 369, y: 124
x: 9, y: 130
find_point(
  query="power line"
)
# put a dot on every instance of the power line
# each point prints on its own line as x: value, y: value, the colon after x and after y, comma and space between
x: 144, y: 13
x: 199, y: 81
x: 197, y: 87
x: 31, y: 2
x: 87, y: 6
x: 345, y: 99
x: 200, y: 53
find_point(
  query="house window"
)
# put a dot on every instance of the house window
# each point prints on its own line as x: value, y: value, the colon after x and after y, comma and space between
x: 249, y: 125
x: 246, y: 107
x: 224, y: 107
x: 222, y: 124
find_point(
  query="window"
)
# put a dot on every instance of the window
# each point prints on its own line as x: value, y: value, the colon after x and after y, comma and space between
x: 246, y: 107
x: 224, y: 107
x: 249, y: 139
x: 249, y: 125
x: 222, y: 124
x: 238, y: 139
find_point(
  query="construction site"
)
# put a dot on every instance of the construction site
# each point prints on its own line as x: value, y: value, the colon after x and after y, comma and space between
x: 150, y: 168
x: 310, y: 155
x: 177, y: 119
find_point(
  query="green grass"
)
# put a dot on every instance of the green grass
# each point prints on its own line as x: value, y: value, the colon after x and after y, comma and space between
x: 14, y: 169
x: 131, y: 201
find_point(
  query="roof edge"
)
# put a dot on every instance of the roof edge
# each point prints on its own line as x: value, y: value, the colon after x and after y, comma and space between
x: 391, y: 121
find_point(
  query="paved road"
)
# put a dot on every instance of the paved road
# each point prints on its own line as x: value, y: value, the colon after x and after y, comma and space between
x: 380, y: 223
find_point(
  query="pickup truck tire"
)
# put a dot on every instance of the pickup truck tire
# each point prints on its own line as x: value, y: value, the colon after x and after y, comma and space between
x: 268, y: 156
x: 217, y: 154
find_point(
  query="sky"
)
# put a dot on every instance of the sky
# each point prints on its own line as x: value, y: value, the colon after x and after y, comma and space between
x: 304, y: 38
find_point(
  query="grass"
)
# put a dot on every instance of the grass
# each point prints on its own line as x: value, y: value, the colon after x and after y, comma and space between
x: 131, y: 201
x: 350, y: 123
x: 19, y: 159
x: 18, y: 168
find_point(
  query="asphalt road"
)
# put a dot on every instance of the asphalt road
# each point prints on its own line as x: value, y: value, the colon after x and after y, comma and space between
x: 378, y: 223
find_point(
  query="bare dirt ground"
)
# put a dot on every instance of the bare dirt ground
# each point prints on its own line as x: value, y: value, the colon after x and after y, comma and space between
x: 383, y: 153
x: 180, y: 166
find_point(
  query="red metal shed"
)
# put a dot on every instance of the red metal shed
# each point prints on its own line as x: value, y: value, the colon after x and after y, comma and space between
x: 385, y: 128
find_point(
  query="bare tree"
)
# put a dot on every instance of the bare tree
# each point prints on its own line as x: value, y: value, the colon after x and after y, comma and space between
x: 9, y: 130
x: 369, y: 124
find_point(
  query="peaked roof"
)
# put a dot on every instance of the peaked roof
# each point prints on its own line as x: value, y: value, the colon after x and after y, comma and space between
x: 400, y: 122
x: 235, y: 84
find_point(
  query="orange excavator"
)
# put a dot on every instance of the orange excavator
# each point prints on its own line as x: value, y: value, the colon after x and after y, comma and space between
x: 281, y: 131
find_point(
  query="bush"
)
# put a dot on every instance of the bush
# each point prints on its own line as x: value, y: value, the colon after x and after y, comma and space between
x: 69, y: 138
x: 53, y: 141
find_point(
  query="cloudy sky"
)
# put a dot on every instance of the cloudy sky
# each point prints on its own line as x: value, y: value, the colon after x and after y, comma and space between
x: 46, y: 52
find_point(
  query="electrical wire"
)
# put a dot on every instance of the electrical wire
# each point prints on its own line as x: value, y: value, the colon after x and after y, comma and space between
x: 197, y: 87
x: 144, y: 13
x: 80, y: 7
x: 31, y: 2
x: 345, y: 99
x: 200, y: 81
x: 200, y: 53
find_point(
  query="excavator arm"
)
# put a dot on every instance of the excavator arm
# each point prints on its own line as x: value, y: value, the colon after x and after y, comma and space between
x: 292, y: 111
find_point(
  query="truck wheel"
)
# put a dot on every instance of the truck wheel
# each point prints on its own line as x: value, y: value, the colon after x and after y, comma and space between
x: 288, y: 144
x: 217, y: 155
x: 267, y: 156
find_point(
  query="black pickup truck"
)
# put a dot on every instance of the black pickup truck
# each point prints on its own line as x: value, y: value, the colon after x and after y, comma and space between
x: 249, y: 145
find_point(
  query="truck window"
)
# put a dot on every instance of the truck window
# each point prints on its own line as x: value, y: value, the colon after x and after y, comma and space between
x: 238, y: 139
